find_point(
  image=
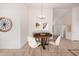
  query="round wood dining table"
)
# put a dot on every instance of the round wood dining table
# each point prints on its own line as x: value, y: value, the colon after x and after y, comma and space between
x: 43, y: 38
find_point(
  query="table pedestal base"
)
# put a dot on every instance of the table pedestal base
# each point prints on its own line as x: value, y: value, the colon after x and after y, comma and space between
x: 43, y: 43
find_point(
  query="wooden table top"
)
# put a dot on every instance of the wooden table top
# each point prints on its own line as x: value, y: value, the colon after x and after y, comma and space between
x: 42, y: 34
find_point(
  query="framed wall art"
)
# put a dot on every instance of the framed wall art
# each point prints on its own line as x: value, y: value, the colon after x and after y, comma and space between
x: 5, y: 24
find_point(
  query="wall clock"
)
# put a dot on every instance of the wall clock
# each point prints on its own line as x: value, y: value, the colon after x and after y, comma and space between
x: 5, y: 24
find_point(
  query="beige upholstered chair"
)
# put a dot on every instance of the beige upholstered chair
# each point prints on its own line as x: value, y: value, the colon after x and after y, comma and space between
x: 56, y: 42
x: 32, y: 42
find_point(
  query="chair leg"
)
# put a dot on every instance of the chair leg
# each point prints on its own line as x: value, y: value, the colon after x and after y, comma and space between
x: 48, y: 47
x: 48, y: 44
x: 41, y: 50
x: 57, y: 50
x: 30, y: 51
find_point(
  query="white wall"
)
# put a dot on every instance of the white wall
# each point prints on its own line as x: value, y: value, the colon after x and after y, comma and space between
x: 36, y: 11
x: 11, y: 39
x: 24, y: 24
x: 75, y: 23
x: 68, y: 19
x: 62, y: 17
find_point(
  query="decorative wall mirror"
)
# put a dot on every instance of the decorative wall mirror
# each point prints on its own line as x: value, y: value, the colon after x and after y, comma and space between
x: 5, y: 24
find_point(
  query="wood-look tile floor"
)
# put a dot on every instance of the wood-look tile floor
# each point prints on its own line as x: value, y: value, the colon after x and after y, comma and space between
x: 50, y: 50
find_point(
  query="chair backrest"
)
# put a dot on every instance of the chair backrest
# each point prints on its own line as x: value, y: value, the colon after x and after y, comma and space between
x: 58, y: 40
x: 32, y: 42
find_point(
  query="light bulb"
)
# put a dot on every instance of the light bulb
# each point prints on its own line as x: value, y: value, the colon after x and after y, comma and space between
x: 41, y: 16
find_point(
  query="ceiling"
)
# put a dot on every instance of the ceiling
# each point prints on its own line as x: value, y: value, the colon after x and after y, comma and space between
x: 53, y: 5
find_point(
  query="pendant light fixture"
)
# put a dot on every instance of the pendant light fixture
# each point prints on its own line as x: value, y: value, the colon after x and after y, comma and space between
x: 41, y: 16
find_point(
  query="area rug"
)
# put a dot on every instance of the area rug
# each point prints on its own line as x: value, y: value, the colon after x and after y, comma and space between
x: 75, y: 52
